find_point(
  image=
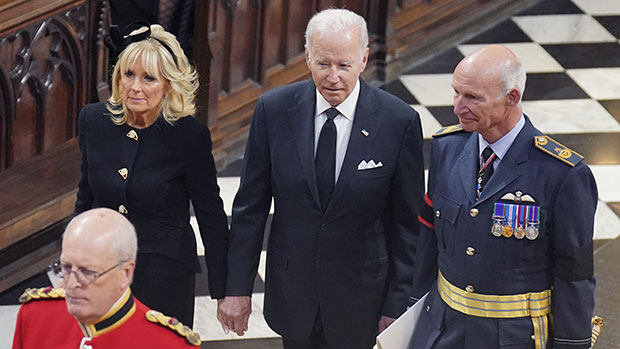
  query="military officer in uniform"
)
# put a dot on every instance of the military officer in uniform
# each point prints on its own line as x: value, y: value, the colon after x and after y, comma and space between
x: 95, y: 308
x: 506, y: 251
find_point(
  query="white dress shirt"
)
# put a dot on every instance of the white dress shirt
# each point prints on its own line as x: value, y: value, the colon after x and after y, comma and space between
x: 501, y: 146
x: 344, y: 123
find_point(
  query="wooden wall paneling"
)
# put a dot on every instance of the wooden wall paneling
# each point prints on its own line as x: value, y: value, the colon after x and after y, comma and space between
x: 279, y: 53
x: 277, y: 63
x: 47, y: 68
x: 23, y: 126
x: 400, y: 4
x: 8, y: 51
x: 18, y: 13
x: 5, y: 110
x: 211, y: 56
x: 257, y: 47
x: 99, y: 72
x: 358, y: 6
x: 275, y: 29
x: 220, y: 42
x: 241, y: 39
x: 47, y: 74
x: 298, y: 16
x: 380, y: 17
x: 25, y: 130
x: 224, y: 29
x: 66, y: 76
x: 203, y: 59
x: 323, y: 4
x: 373, y: 12
x: 241, y: 56
x: 37, y: 193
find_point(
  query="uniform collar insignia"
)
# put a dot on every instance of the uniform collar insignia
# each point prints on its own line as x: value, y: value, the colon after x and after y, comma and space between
x: 118, y: 314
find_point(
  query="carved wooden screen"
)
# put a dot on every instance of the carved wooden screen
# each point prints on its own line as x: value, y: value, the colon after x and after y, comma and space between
x: 52, y: 62
x: 45, y: 76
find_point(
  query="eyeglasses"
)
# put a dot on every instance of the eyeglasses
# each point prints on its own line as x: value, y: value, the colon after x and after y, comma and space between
x: 83, y: 276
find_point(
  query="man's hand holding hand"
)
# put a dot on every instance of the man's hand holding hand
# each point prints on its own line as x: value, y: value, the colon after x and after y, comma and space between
x: 233, y: 313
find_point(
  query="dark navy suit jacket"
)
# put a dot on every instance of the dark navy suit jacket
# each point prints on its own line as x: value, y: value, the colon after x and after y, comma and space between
x: 560, y: 258
x: 355, y: 261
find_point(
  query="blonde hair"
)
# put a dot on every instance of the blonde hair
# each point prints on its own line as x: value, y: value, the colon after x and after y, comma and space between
x: 181, y: 77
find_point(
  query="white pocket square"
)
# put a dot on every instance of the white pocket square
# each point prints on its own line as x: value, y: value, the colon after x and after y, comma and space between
x: 368, y: 165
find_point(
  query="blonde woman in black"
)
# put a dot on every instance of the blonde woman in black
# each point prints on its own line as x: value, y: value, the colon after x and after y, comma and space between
x: 144, y: 155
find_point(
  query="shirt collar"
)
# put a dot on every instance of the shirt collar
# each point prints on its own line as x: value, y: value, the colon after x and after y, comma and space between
x: 346, y: 108
x: 501, y: 146
x: 118, y: 314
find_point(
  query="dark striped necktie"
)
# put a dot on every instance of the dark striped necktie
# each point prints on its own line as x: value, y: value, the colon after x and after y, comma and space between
x: 486, y: 169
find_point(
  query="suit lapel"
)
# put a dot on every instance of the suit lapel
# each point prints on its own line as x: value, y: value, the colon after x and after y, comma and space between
x: 302, y: 124
x: 508, y: 169
x: 467, y: 166
x: 365, y: 119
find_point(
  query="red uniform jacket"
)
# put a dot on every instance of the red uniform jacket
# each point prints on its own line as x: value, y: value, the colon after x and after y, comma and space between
x: 46, y: 323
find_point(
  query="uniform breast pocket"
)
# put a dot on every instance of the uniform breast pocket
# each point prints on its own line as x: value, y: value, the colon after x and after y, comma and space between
x: 446, y: 214
x: 535, y: 250
x: 520, y: 231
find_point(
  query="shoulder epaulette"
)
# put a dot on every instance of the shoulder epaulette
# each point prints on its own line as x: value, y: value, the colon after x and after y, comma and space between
x: 448, y: 129
x: 41, y: 293
x: 175, y: 325
x: 557, y: 150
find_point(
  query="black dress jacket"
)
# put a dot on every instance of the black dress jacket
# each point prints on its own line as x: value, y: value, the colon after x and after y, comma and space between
x: 150, y: 175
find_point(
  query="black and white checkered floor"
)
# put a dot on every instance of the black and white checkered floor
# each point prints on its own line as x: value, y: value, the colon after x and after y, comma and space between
x: 571, y: 52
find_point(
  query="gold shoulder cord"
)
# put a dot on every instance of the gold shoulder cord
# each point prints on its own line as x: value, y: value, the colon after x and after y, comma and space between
x: 597, y: 328
x: 175, y: 325
x: 41, y: 293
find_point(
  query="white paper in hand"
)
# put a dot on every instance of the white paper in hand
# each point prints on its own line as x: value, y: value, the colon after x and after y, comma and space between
x: 400, y: 333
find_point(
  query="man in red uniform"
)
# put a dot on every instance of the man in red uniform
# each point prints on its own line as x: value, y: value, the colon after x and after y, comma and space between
x: 95, y: 308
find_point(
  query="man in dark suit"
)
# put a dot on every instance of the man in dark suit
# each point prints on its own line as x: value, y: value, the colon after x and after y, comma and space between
x: 344, y: 232
x: 507, y: 242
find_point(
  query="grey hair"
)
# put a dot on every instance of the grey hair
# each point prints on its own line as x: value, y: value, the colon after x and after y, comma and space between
x: 513, y: 76
x: 337, y: 21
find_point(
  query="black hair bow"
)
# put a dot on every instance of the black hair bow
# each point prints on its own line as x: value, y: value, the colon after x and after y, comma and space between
x: 118, y: 40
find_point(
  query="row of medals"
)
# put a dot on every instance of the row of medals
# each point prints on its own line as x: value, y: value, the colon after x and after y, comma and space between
x: 498, y: 229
